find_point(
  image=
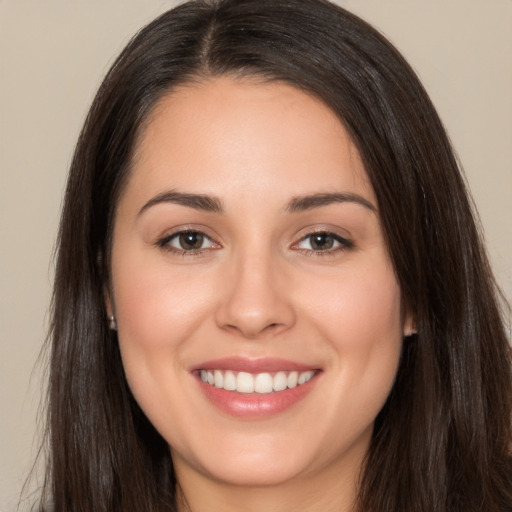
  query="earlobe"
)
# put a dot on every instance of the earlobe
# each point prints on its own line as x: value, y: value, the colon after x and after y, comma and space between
x: 410, y: 328
x: 410, y: 332
x: 112, y: 322
x: 409, y: 324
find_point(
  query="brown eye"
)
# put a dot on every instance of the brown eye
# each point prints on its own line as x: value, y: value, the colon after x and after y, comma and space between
x: 187, y: 242
x: 190, y: 241
x: 321, y: 241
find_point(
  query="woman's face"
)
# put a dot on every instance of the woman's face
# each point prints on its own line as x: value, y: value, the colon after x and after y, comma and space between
x: 248, y: 253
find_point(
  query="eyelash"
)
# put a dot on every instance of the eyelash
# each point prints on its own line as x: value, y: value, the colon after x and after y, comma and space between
x: 344, y: 243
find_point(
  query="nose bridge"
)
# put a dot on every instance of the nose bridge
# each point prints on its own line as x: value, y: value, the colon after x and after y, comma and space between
x: 255, y: 300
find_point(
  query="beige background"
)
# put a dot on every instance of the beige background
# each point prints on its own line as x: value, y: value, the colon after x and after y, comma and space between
x: 52, y: 57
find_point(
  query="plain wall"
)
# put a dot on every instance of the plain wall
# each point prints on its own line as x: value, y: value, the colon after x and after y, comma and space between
x: 53, y: 55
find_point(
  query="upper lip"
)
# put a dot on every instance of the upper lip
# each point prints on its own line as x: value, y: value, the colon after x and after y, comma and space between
x: 264, y: 365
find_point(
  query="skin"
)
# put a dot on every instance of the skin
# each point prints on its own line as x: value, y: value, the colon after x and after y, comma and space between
x: 256, y: 289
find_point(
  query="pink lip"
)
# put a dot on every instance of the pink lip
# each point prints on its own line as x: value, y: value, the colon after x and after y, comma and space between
x: 254, y: 405
x: 239, y: 364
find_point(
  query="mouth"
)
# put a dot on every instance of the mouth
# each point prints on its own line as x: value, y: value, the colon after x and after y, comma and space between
x: 262, y: 383
x: 255, y: 389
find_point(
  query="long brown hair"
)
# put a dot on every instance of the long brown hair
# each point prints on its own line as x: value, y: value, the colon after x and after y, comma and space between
x: 442, y: 442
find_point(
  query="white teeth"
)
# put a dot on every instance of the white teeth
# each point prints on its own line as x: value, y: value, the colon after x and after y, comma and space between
x: 229, y: 381
x: 305, y: 376
x: 293, y: 379
x: 262, y: 383
x: 218, y: 379
x: 309, y: 375
x: 244, y: 383
x: 280, y: 381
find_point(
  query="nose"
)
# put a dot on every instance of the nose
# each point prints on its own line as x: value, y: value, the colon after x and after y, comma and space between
x: 255, y: 298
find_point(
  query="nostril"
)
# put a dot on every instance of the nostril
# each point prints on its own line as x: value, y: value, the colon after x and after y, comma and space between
x: 272, y: 327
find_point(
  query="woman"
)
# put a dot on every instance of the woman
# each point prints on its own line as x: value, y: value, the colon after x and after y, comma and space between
x: 270, y: 290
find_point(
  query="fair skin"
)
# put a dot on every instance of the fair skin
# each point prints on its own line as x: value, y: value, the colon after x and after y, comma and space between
x: 250, y: 279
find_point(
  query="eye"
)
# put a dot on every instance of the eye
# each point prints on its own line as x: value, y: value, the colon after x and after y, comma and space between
x: 187, y: 242
x: 323, y: 242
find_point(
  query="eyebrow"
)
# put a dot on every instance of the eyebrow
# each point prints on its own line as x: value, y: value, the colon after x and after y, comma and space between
x: 213, y: 204
x: 200, y: 202
x: 309, y: 202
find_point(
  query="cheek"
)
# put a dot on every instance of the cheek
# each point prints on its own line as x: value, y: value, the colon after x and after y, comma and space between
x: 156, y: 306
x: 158, y: 310
x: 359, y: 314
x: 360, y: 307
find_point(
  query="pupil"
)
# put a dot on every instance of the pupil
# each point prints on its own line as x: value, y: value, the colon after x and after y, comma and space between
x: 191, y: 241
x: 322, y: 241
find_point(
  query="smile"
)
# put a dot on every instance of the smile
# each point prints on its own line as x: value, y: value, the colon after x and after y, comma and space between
x: 262, y: 383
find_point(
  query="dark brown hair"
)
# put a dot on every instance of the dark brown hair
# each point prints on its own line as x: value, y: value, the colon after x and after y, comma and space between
x: 443, y: 439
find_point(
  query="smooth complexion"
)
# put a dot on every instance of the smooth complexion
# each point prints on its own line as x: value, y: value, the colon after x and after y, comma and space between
x: 248, y: 236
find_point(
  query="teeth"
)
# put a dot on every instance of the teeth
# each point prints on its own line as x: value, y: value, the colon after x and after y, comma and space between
x: 229, y: 381
x: 245, y: 383
x: 292, y: 379
x: 262, y: 383
x: 280, y: 381
x: 218, y: 379
x: 303, y: 378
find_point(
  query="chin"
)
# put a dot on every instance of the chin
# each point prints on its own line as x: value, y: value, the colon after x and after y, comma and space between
x: 259, y: 462
x: 249, y: 473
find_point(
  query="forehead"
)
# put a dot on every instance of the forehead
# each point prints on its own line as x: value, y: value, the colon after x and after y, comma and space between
x: 206, y: 136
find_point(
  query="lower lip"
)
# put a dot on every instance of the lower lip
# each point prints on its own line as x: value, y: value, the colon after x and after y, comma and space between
x: 255, y: 405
